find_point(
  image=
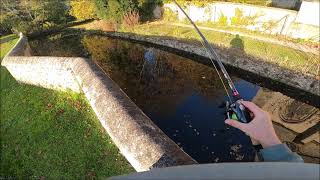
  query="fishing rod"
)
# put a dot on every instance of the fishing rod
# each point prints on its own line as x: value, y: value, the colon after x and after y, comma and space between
x: 235, y: 110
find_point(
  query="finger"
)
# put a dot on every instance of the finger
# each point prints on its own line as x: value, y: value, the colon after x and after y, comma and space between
x: 237, y: 125
x: 252, y: 107
x: 254, y: 141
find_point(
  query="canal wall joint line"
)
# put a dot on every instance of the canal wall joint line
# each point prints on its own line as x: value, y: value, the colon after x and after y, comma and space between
x: 142, y: 143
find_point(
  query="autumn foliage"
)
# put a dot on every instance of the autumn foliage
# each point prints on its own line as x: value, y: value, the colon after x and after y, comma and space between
x: 130, y: 19
x: 83, y: 9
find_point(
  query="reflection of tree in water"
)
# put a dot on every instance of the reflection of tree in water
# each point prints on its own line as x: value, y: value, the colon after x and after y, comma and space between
x: 174, y: 77
x: 60, y: 45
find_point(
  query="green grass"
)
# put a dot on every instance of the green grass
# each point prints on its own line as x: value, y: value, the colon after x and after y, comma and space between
x: 8, y: 36
x: 277, y: 54
x: 5, y: 47
x: 51, y: 134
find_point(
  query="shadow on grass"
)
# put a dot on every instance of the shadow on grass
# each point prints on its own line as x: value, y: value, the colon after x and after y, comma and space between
x: 237, y: 43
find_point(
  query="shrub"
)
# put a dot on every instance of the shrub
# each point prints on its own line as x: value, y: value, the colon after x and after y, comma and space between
x: 146, y: 8
x: 269, y: 26
x: 101, y: 8
x: 115, y: 10
x: 5, y: 24
x: 83, y: 9
x: 131, y: 19
x: 240, y: 20
x: 223, y: 20
x: 204, y: 2
x: 170, y: 15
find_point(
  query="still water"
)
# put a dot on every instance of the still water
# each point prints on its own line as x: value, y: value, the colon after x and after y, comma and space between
x: 184, y: 98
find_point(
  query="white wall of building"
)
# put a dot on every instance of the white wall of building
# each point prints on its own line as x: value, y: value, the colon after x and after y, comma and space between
x: 288, y: 22
x: 309, y: 13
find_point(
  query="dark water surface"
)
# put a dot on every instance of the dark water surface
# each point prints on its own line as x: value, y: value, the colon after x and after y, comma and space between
x: 181, y: 96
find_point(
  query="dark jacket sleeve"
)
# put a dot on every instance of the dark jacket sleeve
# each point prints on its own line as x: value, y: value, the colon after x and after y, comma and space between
x: 280, y: 153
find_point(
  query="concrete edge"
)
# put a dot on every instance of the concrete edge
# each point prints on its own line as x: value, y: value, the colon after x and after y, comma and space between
x: 138, y: 138
x: 143, y: 144
x: 304, y: 82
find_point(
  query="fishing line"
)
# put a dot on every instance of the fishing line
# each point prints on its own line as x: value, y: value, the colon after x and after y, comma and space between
x: 235, y: 109
x: 214, y: 55
x: 220, y: 77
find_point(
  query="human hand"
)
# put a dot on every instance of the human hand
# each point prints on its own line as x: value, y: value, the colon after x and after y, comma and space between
x: 260, y: 128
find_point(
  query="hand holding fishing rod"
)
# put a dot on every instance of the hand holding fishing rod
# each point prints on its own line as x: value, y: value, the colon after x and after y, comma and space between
x: 235, y: 109
x: 260, y: 128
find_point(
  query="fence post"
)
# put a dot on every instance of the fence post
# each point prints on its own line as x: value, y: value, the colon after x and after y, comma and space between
x: 214, y: 13
x: 284, y: 23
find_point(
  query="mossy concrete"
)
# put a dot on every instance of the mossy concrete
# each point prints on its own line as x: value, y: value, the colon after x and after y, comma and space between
x: 143, y: 144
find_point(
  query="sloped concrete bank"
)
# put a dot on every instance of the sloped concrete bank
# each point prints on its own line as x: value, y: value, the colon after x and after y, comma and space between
x: 304, y: 82
x: 143, y: 144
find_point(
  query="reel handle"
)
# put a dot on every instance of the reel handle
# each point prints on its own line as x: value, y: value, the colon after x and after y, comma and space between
x: 239, y: 112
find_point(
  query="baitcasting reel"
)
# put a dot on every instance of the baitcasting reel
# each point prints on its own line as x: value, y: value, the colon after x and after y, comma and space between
x: 237, y: 111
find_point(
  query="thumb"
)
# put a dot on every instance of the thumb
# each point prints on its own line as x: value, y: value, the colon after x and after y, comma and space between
x: 237, y: 124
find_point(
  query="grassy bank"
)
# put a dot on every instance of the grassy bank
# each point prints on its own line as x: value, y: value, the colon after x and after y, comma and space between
x: 237, y: 45
x: 53, y: 135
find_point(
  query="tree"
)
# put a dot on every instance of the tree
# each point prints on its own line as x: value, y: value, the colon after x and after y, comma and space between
x: 101, y: 8
x: 115, y: 10
x: 83, y: 9
x: 29, y: 16
x: 146, y: 8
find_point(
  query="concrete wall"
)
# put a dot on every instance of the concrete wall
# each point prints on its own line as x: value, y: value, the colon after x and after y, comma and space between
x: 143, y: 144
x: 286, y: 4
x: 35, y: 70
x: 48, y: 72
x: 306, y: 24
x: 269, y: 20
x: 309, y: 13
x: 258, y: 67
